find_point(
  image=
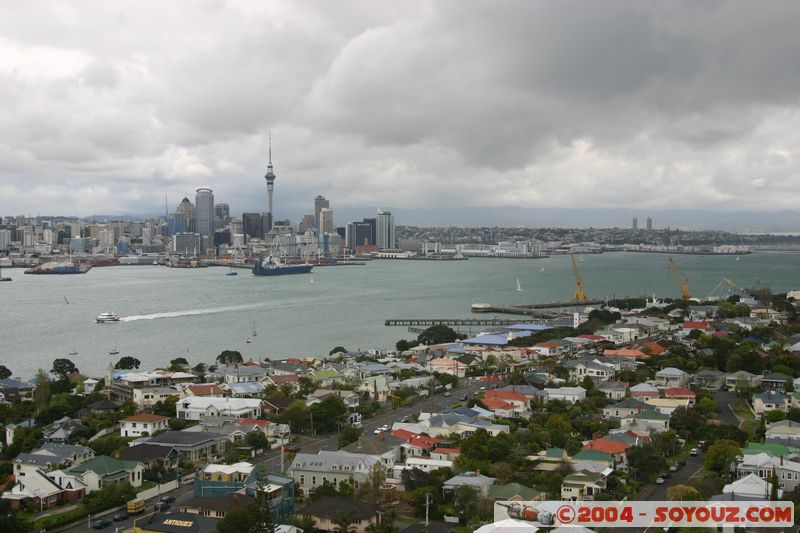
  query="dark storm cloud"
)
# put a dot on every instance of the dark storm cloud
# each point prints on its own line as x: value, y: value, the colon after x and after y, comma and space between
x: 113, y: 105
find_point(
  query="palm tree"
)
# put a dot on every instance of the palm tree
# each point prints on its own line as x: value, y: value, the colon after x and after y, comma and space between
x: 343, y: 520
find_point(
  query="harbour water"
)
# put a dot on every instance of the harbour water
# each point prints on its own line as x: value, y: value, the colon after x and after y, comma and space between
x: 196, y: 313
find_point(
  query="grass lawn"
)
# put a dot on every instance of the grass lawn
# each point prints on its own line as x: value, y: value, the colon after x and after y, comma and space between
x: 145, y: 485
x: 748, y: 419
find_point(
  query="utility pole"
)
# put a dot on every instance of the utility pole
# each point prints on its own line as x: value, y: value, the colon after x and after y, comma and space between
x: 282, y: 445
x: 427, y: 506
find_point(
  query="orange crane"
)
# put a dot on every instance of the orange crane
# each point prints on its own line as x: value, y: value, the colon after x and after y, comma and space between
x: 680, y: 280
x: 579, y: 296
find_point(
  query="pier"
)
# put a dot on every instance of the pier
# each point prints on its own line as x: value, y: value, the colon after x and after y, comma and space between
x: 415, y: 322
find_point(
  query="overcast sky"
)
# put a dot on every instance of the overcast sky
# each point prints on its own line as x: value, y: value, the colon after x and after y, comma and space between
x: 109, y: 106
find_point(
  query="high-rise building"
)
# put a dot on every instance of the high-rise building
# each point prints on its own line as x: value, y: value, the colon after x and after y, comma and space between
x: 384, y: 229
x: 186, y: 209
x: 252, y: 225
x: 635, y: 224
x: 319, y: 203
x: 187, y: 244
x: 270, y: 177
x: 325, y: 220
x: 204, y: 217
x: 359, y: 234
x: 307, y: 223
x: 649, y: 224
x: 222, y: 215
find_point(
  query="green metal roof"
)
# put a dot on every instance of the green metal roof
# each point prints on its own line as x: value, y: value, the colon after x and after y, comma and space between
x: 554, y: 453
x: 592, y: 455
x: 511, y: 490
x: 103, y: 465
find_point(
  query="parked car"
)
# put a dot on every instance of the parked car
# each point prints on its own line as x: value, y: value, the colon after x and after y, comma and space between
x: 120, y: 516
x: 168, y: 499
x: 162, y: 506
x: 385, y: 427
x: 291, y: 448
x: 694, y: 452
x: 101, y: 524
x: 674, y: 468
x: 357, y: 424
x: 666, y: 475
x: 405, y: 419
x: 659, y: 481
x: 463, y: 398
x: 446, y: 394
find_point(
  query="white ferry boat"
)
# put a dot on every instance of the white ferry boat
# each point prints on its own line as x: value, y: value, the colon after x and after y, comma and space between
x: 107, y: 317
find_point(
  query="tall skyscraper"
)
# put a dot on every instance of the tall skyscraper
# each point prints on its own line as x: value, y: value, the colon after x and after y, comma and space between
x: 385, y: 230
x: 635, y: 224
x: 649, y: 224
x: 204, y: 217
x: 222, y: 214
x: 252, y: 225
x: 325, y: 220
x: 270, y: 177
x: 319, y: 203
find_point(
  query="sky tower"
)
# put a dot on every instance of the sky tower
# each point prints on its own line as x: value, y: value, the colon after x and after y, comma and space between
x: 270, y: 177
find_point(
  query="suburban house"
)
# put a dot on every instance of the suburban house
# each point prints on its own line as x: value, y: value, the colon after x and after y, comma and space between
x: 415, y: 445
x: 749, y: 487
x: 784, y: 432
x: 350, y: 398
x: 326, y: 510
x: 147, y: 397
x: 615, y: 448
x: 454, y: 367
x: 238, y: 373
x: 614, y: 390
x: 476, y: 480
x: 592, y: 461
x: 195, y: 408
x: 645, y: 422
x: 582, y: 486
x: 672, y: 377
x: 15, y: 390
x: 312, y: 470
x: 765, y: 465
x: 770, y: 401
x: 566, y: 394
x: 203, y: 389
x: 52, y: 456
x: 102, y: 470
x: 644, y: 390
x: 666, y: 405
x: 151, y: 456
x: 386, y: 447
x: 142, y: 425
x: 710, y: 379
x: 742, y: 379
x: 37, y: 489
x: 376, y: 388
x: 581, y: 368
x: 194, y: 446
x: 625, y: 408
x: 515, y: 492
x: 775, y: 381
x: 679, y: 393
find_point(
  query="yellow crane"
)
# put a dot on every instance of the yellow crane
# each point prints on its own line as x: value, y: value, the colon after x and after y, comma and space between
x: 579, y: 296
x: 680, y: 280
x: 725, y: 281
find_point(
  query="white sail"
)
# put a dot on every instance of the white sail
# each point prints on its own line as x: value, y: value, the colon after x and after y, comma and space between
x: 519, y: 286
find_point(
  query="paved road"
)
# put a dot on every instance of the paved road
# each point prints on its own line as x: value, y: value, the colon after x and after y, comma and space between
x: 725, y: 401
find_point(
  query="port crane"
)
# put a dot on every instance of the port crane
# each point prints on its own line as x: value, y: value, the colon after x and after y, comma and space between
x: 724, y: 281
x: 680, y: 280
x: 579, y: 296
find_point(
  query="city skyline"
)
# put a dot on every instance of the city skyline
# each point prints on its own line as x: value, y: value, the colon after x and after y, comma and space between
x: 654, y: 106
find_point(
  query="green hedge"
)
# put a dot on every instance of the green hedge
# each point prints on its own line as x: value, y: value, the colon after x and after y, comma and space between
x: 49, y: 522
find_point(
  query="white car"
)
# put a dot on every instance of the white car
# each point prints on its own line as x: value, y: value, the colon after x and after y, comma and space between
x: 660, y: 481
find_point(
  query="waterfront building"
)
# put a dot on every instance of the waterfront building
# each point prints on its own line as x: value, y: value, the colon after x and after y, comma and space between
x: 385, y: 230
x: 635, y: 224
x: 5, y: 239
x: 189, y: 244
x: 270, y: 177
x: 359, y: 234
x: 204, y: 217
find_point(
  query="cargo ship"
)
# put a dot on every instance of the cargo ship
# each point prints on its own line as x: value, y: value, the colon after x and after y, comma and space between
x: 270, y: 267
x: 60, y: 268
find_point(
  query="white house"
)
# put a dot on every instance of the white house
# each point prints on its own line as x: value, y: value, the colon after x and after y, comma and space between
x: 566, y: 394
x: 672, y: 377
x: 142, y: 425
x: 194, y: 408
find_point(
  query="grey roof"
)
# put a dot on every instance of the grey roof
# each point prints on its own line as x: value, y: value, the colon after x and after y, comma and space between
x: 612, y: 385
x: 373, y: 445
x: 12, y: 383
x: 249, y: 387
x: 469, y: 478
x: 52, y: 454
x: 670, y: 371
x: 629, y: 403
x: 771, y: 397
x: 145, y: 452
x: 776, y: 376
x: 324, y: 460
x: 709, y: 374
x: 185, y: 438
x: 330, y: 506
x: 527, y: 390
x: 285, y: 366
x: 239, y: 370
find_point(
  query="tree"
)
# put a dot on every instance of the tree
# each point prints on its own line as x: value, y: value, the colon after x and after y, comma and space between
x: 348, y: 435
x: 63, y: 368
x: 41, y: 394
x: 229, y: 357
x: 437, y: 335
x: 559, y: 429
x: 127, y: 363
x: 179, y: 363
x: 707, y: 406
x: 404, y: 345
x: 10, y: 522
x: 338, y: 349
x: 328, y: 414
x: 343, y: 521
x: 646, y: 461
x: 263, y: 521
x: 684, y: 493
x: 4, y: 372
x: 721, y: 455
x: 238, y: 520
x: 257, y: 440
x: 775, y: 416
x: 372, y: 488
x: 326, y: 489
x: 465, y: 500
x: 794, y: 414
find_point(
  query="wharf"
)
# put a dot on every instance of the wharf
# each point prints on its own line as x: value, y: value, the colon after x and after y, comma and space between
x: 449, y: 322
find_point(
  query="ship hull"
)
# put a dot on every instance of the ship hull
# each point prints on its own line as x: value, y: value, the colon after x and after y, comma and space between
x: 281, y: 270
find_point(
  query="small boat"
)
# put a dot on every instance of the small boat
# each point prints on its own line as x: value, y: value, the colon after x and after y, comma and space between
x: 66, y: 302
x: 519, y: 286
x: 254, y: 329
x: 73, y: 352
x: 541, y: 269
x: 311, y: 281
x: 248, y: 341
x: 102, y: 318
x: 737, y: 258
x: 114, y: 351
x: 232, y: 273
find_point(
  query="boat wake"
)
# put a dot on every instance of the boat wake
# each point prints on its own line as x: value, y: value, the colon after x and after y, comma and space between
x: 191, y: 312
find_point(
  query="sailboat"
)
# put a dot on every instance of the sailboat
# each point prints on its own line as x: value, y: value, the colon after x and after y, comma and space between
x: 254, y: 329
x: 737, y: 258
x: 66, y: 302
x: 519, y: 286
x: 232, y: 273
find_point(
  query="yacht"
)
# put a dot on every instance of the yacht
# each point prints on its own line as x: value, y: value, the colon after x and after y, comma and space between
x: 107, y: 317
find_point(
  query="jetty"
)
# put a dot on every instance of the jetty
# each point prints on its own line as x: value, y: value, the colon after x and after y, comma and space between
x: 449, y: 322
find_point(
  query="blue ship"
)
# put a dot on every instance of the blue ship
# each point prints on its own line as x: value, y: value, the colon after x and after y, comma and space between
x: 267, y: 267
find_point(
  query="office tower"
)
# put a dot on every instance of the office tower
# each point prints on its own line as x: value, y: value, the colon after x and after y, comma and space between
x: 5, y: 239
x: 373, y: 235
x: 204, y: 217
x: 307, y: 223
x: 319, y: 203
x: 325, y: 220
x: 384, y: 229
x: 270, y: 177
x: 635, y: 224
x: 649, y: 224
x: 186, y: 210
x: 222, y: 215
x: 359, y: 234
x: 252, y: 225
